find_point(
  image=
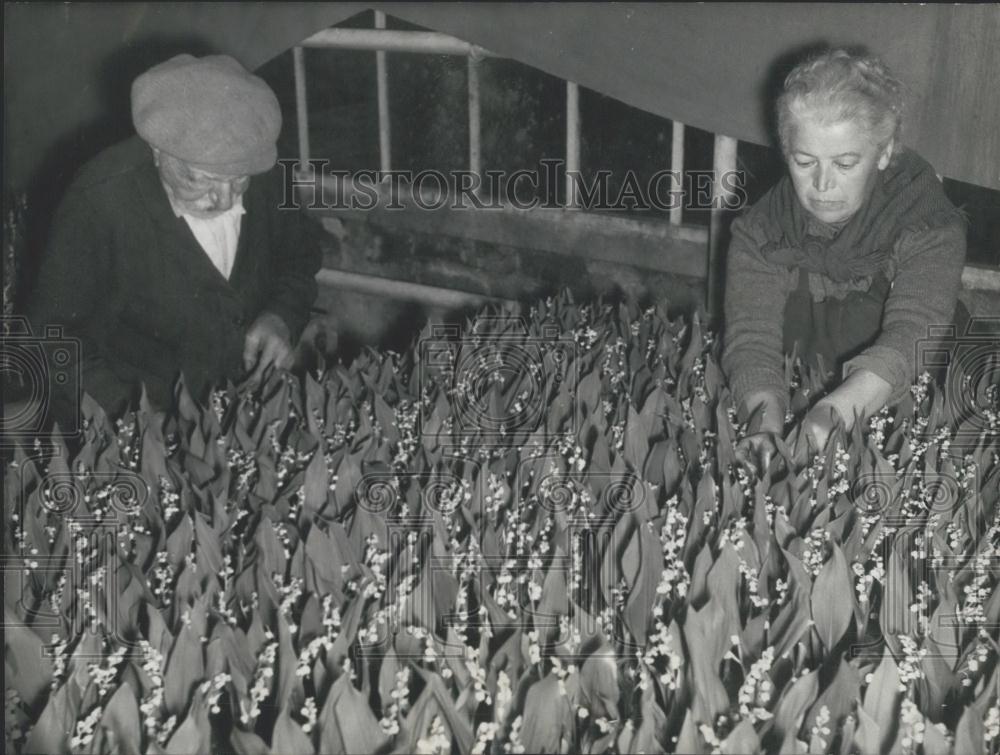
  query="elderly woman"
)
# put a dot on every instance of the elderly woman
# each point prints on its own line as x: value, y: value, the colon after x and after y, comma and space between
x: 847, y: 260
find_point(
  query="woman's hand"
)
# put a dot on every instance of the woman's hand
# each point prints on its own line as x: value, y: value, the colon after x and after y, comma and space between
x: 862, y: 394
x: 758, y: 448
x: 756, y: 451
x: 819, y: 423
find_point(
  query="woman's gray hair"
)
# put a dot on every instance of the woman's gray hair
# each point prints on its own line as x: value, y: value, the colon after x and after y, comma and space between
x: 842, y: 86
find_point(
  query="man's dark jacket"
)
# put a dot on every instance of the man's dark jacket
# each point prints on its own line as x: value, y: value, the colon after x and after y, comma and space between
x: 127, y: 278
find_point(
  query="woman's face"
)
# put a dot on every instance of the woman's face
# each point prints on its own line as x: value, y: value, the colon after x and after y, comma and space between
x: 833, y: 166
x: 200, y: 194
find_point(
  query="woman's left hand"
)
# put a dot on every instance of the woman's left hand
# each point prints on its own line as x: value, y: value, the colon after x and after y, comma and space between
x: 819, y: 423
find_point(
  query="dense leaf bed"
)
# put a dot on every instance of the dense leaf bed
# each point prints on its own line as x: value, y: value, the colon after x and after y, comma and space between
x: 525, y: 536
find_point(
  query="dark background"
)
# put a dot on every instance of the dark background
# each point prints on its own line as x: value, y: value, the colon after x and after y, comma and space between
x: 523, y: 118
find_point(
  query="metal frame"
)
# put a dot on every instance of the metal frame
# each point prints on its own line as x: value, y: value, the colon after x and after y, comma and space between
x: 383, y: 40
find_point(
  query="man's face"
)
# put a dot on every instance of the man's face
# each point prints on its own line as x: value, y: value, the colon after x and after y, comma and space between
x: 197, y: 192
x: 833, y: 166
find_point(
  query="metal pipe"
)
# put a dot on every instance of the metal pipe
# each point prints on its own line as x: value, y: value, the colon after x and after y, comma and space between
x: 382, y: 83
x: 572, y: 141
x: 677, y: 168
x: 475, y: 157
x: 301, y: 107
x: 723, y: 163
x: 404, y: 290
x: 394, y: 40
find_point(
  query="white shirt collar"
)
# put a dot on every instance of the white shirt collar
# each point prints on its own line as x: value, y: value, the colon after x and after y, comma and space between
x: 236, y: 209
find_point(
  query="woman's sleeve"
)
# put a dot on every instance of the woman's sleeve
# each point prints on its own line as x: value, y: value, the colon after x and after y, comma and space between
x: 923, y: 294
x: 756, y: 292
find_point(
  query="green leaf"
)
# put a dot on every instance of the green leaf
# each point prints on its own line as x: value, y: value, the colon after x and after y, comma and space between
x: 194, y: 733
x: 346, y: 723
x: 599, y: 683
x: 555, y: 597
x: 868, y: 736
x: 348, y: 477
x: 121, y: 718
x: 185, y: 669
x: 636, y: 440
x: 673, y: 470
x: 846, y: 735
x: 388, y: 668
x: 289, y: 684
x: 24, y: 651
x: 57, y: 722
x: 547, y: 717
x: 792, y: 621
x: 969, y: 732
x: 642, y: 590
x: 180, y: 541
x: 324, y: 557
x: 838, y: 698
x: 272, y: 552
x: 935, y: 742
x: 316, y: 486
x: 611, y: 559
x: 386, y: 418
x: 895, y: 616
x: 588, y: 392
x: 743, y: 739
x: 723, y: 586
x: 288, y: 737
x: 794, y: 703
x: 832, y: 599
x: 940, y: 682
x: 882, y: 697
x: 690, y: 739
x: 248, y: 743
x: 209, y: 554
x: 651, y: 734
x: 704, y: 642
x: 435, y: 701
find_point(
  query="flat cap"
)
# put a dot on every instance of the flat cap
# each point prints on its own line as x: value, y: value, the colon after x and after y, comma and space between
x: 210, y: 112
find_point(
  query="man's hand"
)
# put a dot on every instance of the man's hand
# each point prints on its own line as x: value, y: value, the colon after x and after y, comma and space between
x: 268, y: 344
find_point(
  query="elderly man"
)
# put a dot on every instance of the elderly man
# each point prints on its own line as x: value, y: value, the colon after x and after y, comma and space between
x: 169, y: 253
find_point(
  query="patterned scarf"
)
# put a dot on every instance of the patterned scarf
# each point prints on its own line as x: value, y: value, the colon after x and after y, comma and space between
x: 907, y: 194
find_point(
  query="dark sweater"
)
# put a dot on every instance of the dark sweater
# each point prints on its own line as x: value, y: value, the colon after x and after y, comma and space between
x: 925, y: 269
x: 127, y: 278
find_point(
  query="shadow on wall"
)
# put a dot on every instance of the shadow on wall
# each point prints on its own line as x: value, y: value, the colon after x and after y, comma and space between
x: 56, y: 167
x: 774, y: 81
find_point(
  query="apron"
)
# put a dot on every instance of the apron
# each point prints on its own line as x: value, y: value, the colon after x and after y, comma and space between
x: 836, y: 330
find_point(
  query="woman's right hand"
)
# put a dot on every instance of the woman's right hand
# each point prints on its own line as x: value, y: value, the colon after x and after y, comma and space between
x: 756, y: 451
x: 758, y: 448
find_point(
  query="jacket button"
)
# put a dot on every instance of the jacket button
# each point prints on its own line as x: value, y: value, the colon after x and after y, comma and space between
x: 239, y: 321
